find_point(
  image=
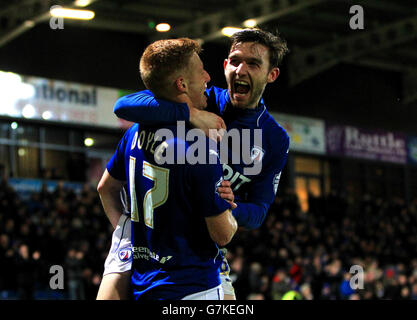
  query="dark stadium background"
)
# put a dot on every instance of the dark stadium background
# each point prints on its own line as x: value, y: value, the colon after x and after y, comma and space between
x: 331, y: 211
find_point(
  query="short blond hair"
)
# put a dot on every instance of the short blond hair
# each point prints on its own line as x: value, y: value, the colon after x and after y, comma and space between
x: 164, y: 58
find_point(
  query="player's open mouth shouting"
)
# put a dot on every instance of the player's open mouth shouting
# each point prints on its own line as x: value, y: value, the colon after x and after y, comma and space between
x: 240, y: 89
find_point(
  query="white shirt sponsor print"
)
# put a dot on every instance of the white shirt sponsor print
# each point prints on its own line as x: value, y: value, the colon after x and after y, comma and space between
x: 234, y: 177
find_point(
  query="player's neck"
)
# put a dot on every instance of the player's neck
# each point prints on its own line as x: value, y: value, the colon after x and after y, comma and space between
x: 252, y: 106
x: 167, y: 96
x: 183, y: 98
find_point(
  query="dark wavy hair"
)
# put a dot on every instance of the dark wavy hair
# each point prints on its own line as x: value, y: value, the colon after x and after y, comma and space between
x: 277, y: 46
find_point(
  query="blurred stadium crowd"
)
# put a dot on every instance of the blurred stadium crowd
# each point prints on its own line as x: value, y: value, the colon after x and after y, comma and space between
x: 59, y: 228
x: 309, y: 254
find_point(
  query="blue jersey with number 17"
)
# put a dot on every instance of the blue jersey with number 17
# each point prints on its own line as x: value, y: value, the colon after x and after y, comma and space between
x: 173, y: 254
x: 254, y: 192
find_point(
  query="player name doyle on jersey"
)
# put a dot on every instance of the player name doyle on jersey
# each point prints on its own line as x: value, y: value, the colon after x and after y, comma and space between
x: 145, y: 140
x: 145, y: 253
x: 238, y: 142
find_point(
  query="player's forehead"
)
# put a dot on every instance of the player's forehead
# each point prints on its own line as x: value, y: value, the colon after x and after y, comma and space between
x: 249, y: 50
x: 195, y: 60
x: 195, y: 65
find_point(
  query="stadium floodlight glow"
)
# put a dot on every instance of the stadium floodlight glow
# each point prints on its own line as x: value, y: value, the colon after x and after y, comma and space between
x: 28, y: 111
x: 72, y: 13
x: 29, y: 23
x: 46, y: 115
x: 250, y: 23
x: 27, y: 90
x: 230, y: 31
x: 163, y: 27
x: 9, y: 77
x: 11, y: 85
x: 13, y: 89
x: 82, y: 3
x: 88, y: 142
x: 14, y: 125
x: 21, y: 152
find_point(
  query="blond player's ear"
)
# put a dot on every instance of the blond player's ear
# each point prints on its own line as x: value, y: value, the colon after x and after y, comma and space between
x: 180, y: 84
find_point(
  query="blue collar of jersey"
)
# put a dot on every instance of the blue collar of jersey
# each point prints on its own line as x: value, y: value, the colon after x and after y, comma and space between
x: 255, y: 114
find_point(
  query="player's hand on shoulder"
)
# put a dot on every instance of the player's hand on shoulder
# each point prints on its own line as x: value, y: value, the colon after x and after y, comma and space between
x: 205, y: 121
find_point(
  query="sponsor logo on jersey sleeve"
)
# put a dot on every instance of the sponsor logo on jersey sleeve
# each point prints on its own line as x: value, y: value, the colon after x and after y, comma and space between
x: 125, y: 254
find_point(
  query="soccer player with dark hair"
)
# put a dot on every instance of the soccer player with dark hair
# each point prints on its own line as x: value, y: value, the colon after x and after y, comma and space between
x: 177, y: 217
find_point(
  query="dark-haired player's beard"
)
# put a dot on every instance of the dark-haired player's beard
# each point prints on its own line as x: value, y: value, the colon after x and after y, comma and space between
x: 249, y: 100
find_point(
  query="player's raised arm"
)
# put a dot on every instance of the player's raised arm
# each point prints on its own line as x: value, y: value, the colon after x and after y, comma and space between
x: 262, y: 190
x: 144, y: 108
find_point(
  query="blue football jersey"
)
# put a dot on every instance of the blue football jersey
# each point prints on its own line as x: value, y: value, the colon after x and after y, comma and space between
x: 254, y: 193
x: 173, y: 254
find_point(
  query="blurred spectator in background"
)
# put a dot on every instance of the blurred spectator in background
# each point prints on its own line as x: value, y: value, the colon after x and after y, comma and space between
x: 6, y: 266
x: 25, y: 268
x: 414, y: 292
x: 281, y: 283
x: 305, y: 291
x: 256, y: 296
x: 345, y: 287
x: 74, y: 268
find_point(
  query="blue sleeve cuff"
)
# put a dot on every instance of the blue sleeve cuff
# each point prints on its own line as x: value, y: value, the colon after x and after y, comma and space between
x: 250, y: 215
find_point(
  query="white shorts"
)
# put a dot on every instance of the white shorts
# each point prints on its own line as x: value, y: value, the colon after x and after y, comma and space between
x: 215, y: 293
x: 120, y: 256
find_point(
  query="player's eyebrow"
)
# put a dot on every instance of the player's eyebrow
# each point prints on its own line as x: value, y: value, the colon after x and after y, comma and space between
x: 255, y: 60
x: 249, y: 59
